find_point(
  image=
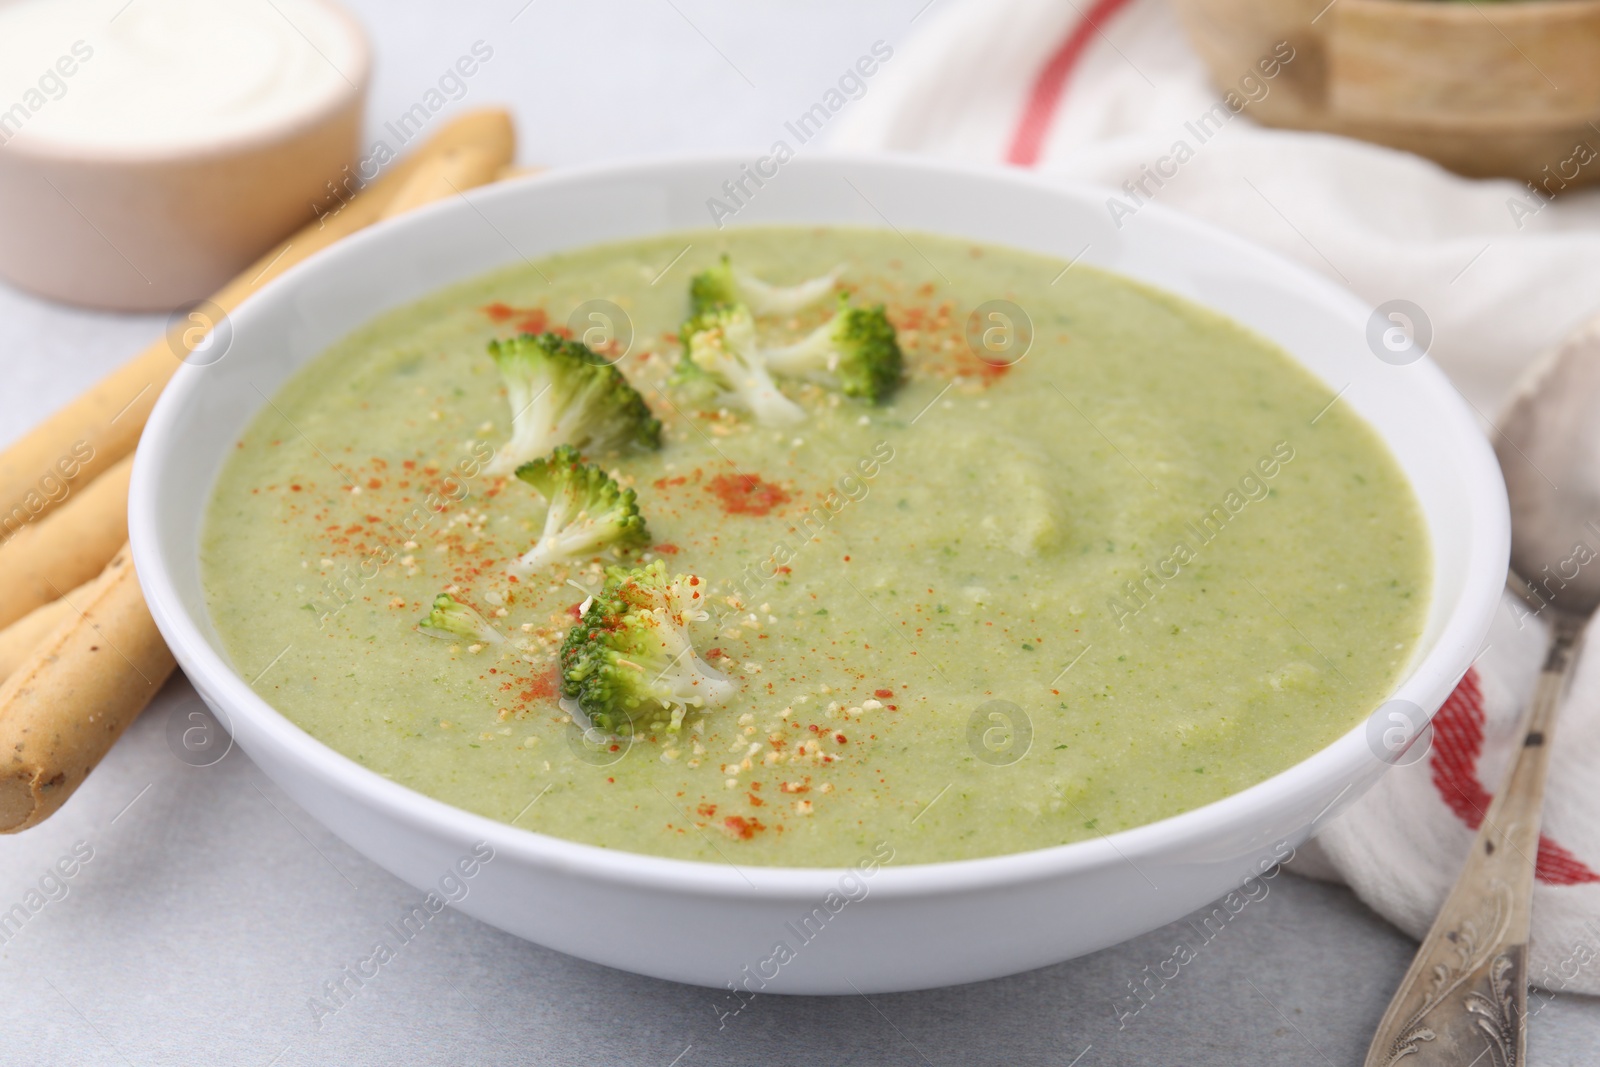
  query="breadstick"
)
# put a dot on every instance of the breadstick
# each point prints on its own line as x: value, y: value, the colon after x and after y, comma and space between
x: 447, y: 173
x: 66, y: 703
x: 18, y: 640
x: 67, y: 547
x: 101, y: 426
x: 516, y: 170
x: 61, y: 711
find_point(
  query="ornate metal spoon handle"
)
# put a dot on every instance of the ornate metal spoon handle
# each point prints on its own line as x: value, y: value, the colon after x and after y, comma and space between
x: 1465, y: 998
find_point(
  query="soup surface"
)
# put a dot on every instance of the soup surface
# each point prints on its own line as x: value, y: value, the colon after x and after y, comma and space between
x: 1106, y: 556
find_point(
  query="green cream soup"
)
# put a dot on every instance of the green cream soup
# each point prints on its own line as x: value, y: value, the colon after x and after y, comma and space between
x: 1084, y: 570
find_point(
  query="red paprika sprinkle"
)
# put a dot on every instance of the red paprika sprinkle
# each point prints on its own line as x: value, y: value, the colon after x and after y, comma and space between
x: 747, y: 494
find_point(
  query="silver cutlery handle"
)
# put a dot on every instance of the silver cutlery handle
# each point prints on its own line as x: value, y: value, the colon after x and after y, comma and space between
x: 1464, y: 999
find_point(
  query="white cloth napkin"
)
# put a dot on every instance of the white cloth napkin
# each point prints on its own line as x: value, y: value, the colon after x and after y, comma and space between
x: 1501, y: 276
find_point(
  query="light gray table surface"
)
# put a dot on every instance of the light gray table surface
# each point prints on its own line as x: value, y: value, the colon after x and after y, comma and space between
x: 213, y: 909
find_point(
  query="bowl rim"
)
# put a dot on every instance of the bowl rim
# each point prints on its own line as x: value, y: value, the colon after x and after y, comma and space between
x: 1344, y: 760
x: 271, y: 135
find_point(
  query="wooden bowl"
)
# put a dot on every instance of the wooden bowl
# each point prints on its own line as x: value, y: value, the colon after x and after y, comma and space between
x: 1487, y: 90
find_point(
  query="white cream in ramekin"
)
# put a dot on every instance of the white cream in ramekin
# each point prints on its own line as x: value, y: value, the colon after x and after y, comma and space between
x: 150, y: 149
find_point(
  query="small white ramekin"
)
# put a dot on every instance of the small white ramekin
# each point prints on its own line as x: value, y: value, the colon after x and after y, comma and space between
x: 135, y: 230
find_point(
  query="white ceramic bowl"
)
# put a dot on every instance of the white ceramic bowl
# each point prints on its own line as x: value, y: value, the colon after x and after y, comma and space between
x: 916, y: 926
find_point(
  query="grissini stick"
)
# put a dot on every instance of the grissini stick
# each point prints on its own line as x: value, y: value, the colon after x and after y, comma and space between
x: 517, y: 170
x: 62, y: 710
x: 445, y: 173
x: 18, y: 640
x: 100, y: 427
x: 58, y: 713
x: 67, y: 547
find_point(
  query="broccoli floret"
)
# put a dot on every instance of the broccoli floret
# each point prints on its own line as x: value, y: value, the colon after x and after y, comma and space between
x: 856, y: 351
x: 629, y: 658
x: 720, y: 351
x: 726, y: 285
x: 588, y: 511
x: 561, y: 393
x: 451, y: 619
x: 713, y: 288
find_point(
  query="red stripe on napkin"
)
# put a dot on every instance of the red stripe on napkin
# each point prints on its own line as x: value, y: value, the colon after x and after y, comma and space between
x: 1457, y: 744
x: 1048, y: 87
